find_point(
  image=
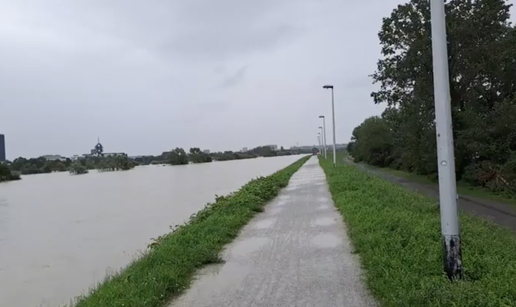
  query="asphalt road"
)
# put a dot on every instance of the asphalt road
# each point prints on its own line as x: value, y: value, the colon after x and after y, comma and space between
x: 295, y: 254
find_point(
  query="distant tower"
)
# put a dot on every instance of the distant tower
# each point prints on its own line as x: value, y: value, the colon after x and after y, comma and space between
x: 2, y: 148
x: 99, y: 149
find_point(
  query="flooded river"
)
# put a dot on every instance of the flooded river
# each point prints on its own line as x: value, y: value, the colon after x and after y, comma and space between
x: 60, y: 234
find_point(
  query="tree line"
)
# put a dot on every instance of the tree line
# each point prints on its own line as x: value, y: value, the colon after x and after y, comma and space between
x: 482, y: 65
x: 42, y: 165
x: 179, y: 156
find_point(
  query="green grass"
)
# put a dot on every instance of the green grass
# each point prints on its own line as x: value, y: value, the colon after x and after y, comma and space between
x: 462, y: 187
x: 397, y: 235
x: 168, y: 267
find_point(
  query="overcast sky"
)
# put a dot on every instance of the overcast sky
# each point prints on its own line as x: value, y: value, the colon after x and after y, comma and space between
x: 147, y: 76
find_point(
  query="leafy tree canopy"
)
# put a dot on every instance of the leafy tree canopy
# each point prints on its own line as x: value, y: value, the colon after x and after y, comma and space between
x: 482, y: 52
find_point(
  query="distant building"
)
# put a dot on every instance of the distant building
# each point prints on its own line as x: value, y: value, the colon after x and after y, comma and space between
x: 272, y: 147
x: 54, y: 157
x: 302, y: 149
x: 206, y: 151
x: 97, y: 150
x: 136, y: 157
x: 244, y: 149
x: 2, y: 148
x: 114, y: 154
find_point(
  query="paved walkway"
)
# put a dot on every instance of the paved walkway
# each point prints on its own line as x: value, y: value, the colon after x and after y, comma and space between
x: 295, y: 254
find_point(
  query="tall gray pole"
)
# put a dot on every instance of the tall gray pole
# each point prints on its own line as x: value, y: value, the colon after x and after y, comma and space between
x: 333, y: 118
x: 319, y: 143
x: 325, y: 146
x: 322, y: 139
x: 445, y: 153
x: 325, y: 142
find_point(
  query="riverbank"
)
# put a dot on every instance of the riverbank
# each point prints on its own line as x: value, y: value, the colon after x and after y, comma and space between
x: 168, y: 268
x: 397, y: 235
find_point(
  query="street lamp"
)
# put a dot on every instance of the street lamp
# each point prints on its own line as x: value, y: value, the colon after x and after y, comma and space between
x: 324, y: 136
x: 322, y: 140
x: 445, y: 153
x: 319, y: 140
x: 333, y: 117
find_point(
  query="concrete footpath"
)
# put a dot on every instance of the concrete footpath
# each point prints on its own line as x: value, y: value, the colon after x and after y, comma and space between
x: 294, y: 254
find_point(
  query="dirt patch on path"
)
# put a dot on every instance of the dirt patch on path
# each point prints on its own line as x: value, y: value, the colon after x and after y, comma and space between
x: 502, y: 214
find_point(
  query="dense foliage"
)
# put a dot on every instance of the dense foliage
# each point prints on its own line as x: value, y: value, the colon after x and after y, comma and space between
x: 77, y: 168
x: 179, y: 156
x: 197, y: 156
x: 482, y: 57
x: 6, y: 174
x: 39, y: 165
x: 115, y: 163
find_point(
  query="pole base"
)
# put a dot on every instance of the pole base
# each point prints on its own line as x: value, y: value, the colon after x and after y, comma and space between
x: 452, y: 256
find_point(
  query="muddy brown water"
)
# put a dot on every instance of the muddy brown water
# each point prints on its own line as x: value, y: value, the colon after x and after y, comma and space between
x: 60, y: 234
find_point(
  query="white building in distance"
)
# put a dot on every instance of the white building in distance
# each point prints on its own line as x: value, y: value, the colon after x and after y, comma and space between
x: 54, y: 157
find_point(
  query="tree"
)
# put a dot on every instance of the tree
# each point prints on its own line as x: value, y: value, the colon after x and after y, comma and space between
x: 177, y: 157
x: 77, y: 168
x: 6, y: 174
x: 482, y: 50
x: 114, y: 163
x: 373, y: 142
x: 39, y: 165
x: 197, y: 156
x: 263, y: 151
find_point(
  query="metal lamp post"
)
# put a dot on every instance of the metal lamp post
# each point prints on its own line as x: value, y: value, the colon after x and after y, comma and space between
x: 319, y: 140
x: 324, y: 136
x: 333, y: 118
x: 445, y: 153
x: 322, y: 140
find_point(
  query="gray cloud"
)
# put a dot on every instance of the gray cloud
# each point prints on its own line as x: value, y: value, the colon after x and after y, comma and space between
x: 146, y: 76
x: 219, y: 44
x: 234, y: 79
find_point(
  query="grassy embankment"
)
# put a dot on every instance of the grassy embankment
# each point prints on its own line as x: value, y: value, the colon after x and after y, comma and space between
x: 463, y: 188
x: 397, y: 235
x: 168, y: 268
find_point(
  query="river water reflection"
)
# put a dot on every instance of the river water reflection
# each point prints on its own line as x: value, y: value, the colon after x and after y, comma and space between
x: 60, y: 234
